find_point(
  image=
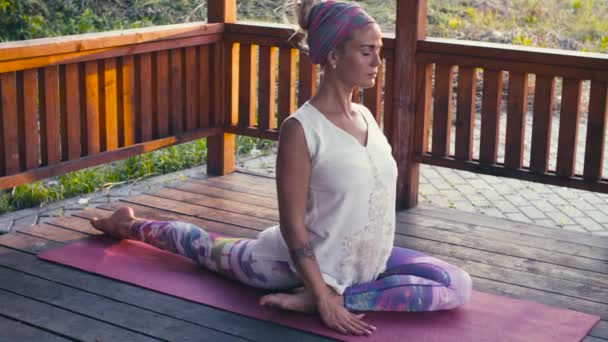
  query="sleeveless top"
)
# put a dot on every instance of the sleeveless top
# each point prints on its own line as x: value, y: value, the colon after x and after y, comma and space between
x: 350, y: 207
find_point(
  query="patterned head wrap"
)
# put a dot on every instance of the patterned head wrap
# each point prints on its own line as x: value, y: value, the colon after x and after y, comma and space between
x: 330, y: 23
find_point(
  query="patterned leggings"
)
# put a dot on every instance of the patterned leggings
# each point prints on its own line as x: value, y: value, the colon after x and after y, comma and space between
x: 412, y: 281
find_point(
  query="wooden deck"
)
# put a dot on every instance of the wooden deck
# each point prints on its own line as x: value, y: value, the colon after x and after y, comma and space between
x: 43, y: 301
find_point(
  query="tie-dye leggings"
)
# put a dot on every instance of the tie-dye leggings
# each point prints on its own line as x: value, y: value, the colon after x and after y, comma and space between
x: 412, y: 281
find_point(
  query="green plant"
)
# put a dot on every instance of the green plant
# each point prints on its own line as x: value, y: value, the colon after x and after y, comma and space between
x: 522, y: 40
x: 163, y: 161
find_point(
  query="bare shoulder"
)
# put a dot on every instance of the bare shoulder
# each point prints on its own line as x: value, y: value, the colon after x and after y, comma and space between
x: 290, y: 127
x: 291, y: 133
x: 292, y: 143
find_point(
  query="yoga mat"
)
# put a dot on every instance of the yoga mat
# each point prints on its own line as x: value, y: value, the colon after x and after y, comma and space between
x: 485, y: 318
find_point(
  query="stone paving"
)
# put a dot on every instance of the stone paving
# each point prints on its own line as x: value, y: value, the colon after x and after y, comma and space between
x: 550, y: 206
x: 545, y: 205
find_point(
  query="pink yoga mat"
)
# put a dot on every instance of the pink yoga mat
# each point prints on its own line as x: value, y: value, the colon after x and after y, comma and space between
x: 485, y: 318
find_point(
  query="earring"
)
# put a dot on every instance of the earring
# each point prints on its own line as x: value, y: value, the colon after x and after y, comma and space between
x: 333, y: 66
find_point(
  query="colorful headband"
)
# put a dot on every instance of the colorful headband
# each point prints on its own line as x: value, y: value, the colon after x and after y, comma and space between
x: 331, y: 22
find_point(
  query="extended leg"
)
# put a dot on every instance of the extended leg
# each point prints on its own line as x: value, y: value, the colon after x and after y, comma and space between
x: 412, y: 282
x: 228, y: 256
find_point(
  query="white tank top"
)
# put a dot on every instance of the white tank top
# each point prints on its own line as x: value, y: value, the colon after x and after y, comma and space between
x: 350, y: 209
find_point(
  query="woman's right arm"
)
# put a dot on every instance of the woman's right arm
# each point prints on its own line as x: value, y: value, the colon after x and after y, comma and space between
x: 293, y: 178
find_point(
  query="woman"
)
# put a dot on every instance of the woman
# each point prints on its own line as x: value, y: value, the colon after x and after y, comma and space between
x: 333, y: 250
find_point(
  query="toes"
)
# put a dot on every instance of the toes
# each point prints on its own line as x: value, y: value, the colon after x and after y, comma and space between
x: 269, y: 300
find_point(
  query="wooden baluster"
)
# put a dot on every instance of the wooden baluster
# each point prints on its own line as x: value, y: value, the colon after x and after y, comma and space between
x: 372, y: 97
x: 424, y: 81
x: 541, y: 125
x: 596, y: 131
x: 568, y: 127
x: 70, y: 108
x: 145, y: 119
x: 162, y: 93
x: 29, y: 143
x: 517, y: 103
x: 92, y: 106
x: 232, y: 86
x: 49, y: 115
x: 177, y: 119
x: 388, y: 96
x: 490, y: 116
x: 307, y: 84
x: 465, y: 112
x: 192, y: 101
x: 442, y: 110
x: 266, y: 92
x: 205, y: 93
x: 128, y: 104
x: 9, y: 150
x: 109, y: 112
x: 247, y: 85
x: 287, y: 83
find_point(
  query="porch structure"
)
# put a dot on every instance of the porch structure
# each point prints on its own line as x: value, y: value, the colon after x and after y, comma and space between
x: 74, y: 102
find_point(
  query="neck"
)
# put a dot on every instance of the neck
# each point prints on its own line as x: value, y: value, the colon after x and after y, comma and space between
x: 333, y: 97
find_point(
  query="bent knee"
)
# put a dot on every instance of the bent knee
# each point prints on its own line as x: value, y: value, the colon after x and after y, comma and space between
x: 462, y: 287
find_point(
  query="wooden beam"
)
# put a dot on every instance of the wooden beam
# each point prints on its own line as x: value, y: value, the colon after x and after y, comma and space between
x: 411, y: 26
x: 221, y: 147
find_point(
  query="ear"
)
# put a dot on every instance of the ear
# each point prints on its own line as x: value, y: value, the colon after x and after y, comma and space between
x: 332, y: 58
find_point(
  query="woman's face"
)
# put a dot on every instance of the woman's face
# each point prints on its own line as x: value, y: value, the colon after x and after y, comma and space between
x: 357, y: 63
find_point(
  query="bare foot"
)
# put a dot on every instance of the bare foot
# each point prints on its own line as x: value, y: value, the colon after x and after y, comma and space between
x: 301, y: 300
x: 116, y: 225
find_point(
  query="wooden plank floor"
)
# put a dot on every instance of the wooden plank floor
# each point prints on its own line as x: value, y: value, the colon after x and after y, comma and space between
x: 42, y: 301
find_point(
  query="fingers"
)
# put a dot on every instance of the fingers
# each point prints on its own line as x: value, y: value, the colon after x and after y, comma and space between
x: 353, y: 325
x: 363, y: 327
x: 353, y: 328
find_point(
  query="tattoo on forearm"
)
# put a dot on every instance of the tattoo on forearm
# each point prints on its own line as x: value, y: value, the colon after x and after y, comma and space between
x: 305, y: 251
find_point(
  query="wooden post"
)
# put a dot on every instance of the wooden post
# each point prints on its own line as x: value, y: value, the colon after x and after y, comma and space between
x: 410, y: 27
x: 220, y: 148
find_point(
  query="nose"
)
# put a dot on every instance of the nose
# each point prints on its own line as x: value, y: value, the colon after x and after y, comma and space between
x: 377, y: 60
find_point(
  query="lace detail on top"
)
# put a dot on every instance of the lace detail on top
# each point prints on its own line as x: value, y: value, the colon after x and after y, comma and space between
x: 366, y: 251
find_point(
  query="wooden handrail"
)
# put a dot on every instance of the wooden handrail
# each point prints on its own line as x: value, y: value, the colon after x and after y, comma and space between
x: 513, y: 53
x: 102, y: 40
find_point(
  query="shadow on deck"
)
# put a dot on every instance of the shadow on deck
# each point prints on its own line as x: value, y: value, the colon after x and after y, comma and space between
x: 44, y: 301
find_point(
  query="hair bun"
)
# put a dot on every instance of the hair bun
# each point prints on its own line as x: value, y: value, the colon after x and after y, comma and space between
x: 303, y: 11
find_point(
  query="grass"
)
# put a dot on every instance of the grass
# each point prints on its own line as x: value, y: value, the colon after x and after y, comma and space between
x: 567, y: 24
x: 580, y: 25
x: 85, y: 181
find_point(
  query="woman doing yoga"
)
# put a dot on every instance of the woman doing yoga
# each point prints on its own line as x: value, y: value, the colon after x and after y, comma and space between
x: 332, y: 252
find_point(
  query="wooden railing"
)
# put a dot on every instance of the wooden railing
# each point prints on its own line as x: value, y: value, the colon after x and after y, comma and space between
x: 270, y: 79
x: 72, y: 102
x: 495, y: 62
